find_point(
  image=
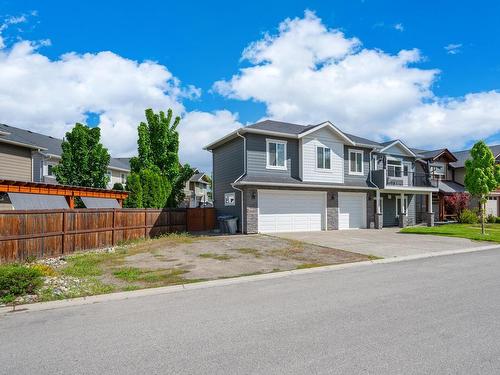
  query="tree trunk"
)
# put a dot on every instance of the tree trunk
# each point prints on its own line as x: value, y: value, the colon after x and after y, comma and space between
x: 483, y: 209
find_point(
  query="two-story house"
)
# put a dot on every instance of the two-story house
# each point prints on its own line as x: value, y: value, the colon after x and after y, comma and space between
x: 493, y: 203
x: 196, y: 191
x: 281, y: 177
x: 29, y: 156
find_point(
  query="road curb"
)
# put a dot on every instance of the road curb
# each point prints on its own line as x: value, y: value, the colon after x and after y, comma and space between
x: 41, y: 306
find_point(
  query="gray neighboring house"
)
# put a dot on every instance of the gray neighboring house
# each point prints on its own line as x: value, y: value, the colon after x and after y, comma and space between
x: 282, y: 177
x: 30, y: 156
x: 493, y: 203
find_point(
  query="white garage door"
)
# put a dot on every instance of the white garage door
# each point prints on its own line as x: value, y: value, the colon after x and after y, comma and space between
x: 352, y: 210
x: 492, y: 206
x: 291, y: 211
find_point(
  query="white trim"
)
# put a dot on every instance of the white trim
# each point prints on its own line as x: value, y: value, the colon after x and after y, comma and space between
x: 398, y: 198
x: 318, y: 169
x: 415, y: 189
x: 298, y: 186
x: 331, y: 127
x: 277, y: 141
x: 397, y: 141
x: 26, y: 145
x: 355, y: 151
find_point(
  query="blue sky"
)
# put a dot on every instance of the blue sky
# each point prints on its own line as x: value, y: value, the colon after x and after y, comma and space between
x: 200, y: 43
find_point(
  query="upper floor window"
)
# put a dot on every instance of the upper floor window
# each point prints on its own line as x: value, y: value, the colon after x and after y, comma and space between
x: 356, y: 162
x: 50, y: 170
x: 394, y: 168
x: 323, y: 157
x: 123, y: 178
x: 276, y: 154
x: 438, y: 169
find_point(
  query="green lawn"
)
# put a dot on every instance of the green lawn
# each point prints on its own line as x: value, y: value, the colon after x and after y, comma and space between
x: 470, y: 231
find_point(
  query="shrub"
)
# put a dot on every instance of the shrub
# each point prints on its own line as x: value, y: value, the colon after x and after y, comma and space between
x: 491, y: 219
x: 17, y: 280
x: 468, y: 217
x: 456, y: 203
x: 118, y: 186
x: 497, y: 220
x: 44, y: 269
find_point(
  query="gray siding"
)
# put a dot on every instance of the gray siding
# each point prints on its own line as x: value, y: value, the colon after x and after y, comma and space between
x: 256, y: 156
x: 228, y: 165
x: 352, y: 179
x: 15, y: 162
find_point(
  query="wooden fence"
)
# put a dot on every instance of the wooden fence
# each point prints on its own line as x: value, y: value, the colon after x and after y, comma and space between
x: 46, y: 233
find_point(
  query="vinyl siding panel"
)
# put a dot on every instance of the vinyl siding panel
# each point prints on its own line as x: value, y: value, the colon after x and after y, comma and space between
x: 352, y: 179
x: 257, y: 157
x: 37, y: 167
x: 15, y: 162
x: 310, y: 172
x: 228, y: 165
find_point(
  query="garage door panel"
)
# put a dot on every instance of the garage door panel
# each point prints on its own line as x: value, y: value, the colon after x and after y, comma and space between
x: 291, y: 211
x: 352, y: 210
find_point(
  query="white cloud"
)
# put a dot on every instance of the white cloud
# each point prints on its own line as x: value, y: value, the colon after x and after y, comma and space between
x: 49, y: 96
x: 399, y: 27
x: 307, y: 73
x: 453, y: 49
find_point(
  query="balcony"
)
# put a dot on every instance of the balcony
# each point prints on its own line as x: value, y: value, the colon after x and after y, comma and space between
x: 397, y: 179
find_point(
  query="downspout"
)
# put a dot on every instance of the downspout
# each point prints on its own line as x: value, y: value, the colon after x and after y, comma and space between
x: 244, y: 173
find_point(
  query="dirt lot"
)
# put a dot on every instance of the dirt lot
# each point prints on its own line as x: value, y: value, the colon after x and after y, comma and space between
x: 178, y: 259
x: 225, y: 256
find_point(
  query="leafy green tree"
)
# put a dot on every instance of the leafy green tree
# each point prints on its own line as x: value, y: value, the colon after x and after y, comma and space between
x: 84, y: 160
x: 158, y: 153
x: 482, y: 175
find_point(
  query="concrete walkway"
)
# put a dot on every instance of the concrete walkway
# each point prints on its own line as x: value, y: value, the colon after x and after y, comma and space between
x: 384, y: 243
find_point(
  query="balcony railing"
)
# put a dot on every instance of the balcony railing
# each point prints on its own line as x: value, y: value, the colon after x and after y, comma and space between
x: 384, y: 178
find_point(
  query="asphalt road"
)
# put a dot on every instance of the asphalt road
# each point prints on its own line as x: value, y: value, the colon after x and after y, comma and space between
x: 432, y: 316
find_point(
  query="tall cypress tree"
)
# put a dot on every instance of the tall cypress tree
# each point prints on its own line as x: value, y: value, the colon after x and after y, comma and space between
x: 157, y: 162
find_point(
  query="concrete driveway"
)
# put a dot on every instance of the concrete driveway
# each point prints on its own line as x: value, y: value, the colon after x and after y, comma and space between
x: 384, y: 243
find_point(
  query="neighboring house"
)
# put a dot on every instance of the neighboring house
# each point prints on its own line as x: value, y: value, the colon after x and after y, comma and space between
x: 196, y: 190
x: 281, y: 177
x: 30, y: 156
x: 493, y: 203
x: 437, y: 164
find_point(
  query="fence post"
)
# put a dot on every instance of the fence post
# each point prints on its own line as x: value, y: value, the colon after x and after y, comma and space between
x: 63, y: 231
x: 113, y: 228
x: 145, y: 223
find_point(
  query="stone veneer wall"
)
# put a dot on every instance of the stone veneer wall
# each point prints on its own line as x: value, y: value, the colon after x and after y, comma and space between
x: 250, y: 219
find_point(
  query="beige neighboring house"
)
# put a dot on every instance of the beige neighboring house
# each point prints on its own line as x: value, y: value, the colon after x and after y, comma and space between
x: 30, y: 156
x: 196, y: 191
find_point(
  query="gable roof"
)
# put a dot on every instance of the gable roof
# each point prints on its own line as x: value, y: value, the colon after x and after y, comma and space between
x: 46, y: 144
x: 280, y: 127
x: 434, y: 154
x: 395, y: 142
x: 462, y: 156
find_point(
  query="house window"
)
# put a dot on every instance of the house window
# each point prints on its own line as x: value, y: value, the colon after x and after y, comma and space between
x: 276, y: 154
x: 394, y: 168
x: 123, y: 178
x: 356, y: 162
x: 50, y: 170
x: 438, y: 169
x: 323, y: 157
x: 108, y: 173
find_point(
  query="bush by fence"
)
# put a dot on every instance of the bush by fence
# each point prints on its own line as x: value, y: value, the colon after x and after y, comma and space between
x: 45, y: 233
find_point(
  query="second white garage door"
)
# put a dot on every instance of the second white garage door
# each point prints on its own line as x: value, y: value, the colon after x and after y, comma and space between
x: 291, y: 211
x: 352, y: 210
